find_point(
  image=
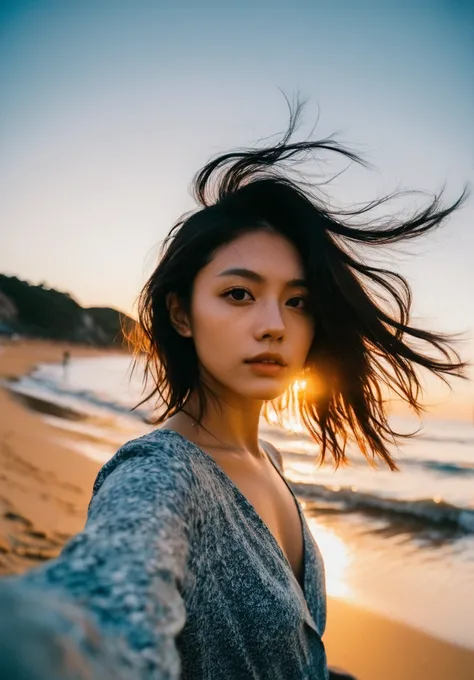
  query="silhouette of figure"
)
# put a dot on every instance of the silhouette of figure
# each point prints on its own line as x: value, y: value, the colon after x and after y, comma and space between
x: 66, y: 361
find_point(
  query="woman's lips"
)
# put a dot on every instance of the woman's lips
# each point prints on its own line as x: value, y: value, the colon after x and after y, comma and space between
x: 266, y: 367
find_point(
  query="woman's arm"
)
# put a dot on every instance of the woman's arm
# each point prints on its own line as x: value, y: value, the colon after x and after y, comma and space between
x: 112, y: 601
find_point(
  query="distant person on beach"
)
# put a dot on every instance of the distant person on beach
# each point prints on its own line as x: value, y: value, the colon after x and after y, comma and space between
x: 196, y: 560
x: 66, y: 360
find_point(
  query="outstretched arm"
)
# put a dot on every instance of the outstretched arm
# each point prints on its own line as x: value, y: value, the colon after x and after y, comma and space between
x: 111, y: 604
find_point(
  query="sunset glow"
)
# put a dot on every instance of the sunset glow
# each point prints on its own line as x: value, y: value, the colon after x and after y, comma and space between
x: 290, y: 416
x: 336, y: 559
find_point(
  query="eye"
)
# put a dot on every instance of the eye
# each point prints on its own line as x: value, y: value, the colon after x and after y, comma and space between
x: 237, y: 294
x: 298, y: 302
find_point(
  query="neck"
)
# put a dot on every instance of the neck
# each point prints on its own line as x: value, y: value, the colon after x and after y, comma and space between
x: 229, y: 422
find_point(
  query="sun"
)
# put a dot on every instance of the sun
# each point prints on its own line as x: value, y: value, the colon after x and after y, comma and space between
x: 290, y: 418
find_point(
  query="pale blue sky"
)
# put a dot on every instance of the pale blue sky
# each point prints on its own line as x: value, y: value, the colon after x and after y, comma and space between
x: 109, y: 108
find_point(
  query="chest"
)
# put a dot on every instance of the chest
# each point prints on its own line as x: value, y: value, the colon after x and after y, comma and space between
x: 270, y: 497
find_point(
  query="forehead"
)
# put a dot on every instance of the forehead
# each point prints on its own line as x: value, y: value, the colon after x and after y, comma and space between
x: 266, y: 253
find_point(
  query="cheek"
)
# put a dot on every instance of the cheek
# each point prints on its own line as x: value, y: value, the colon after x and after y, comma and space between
x: 304, y: 335
x: 214, y: 332
x: 208, y: 315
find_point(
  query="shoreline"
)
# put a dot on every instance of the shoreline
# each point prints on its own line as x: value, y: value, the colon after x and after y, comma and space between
x: 45, y: 488
x: 20, y: 357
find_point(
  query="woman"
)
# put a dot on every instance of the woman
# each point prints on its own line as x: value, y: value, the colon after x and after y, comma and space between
x: 196, y: 560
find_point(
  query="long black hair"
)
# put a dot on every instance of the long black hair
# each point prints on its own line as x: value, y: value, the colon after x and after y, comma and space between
x: 364, y: 341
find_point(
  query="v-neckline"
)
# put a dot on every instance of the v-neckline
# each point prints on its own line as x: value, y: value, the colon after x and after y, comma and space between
x: 243, y: 498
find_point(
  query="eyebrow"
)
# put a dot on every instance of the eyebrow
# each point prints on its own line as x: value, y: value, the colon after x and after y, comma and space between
x: 258, y: 278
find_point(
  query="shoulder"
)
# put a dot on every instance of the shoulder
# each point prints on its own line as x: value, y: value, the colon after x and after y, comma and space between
x: 274, y: 453
x: 157, y: 454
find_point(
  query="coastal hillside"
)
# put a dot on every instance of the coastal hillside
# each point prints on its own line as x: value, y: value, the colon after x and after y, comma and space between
x: 37, y: 311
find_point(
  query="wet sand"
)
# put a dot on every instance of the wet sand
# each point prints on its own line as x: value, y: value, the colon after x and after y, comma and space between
x: 373, y: 647
x: 44, y: 491
x: 44, y: 488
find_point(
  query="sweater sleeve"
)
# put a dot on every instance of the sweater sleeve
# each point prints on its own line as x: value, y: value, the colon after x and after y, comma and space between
x: 117, y: 587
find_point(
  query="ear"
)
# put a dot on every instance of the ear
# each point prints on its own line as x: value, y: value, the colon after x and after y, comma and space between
x: 178, y: 317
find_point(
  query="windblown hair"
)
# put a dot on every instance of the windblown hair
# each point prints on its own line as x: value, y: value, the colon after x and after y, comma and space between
x: 364, y: 341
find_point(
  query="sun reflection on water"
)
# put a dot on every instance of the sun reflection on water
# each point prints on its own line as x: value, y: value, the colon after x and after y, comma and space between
x: 337, y: 559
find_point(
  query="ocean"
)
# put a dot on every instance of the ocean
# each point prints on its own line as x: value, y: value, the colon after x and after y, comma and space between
x: 398, y: 543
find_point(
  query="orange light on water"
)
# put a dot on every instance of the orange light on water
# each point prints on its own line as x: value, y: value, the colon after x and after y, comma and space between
x: 336, y: 558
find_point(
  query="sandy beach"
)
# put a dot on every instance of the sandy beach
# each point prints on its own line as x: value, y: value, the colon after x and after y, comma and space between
x: 44, y: 491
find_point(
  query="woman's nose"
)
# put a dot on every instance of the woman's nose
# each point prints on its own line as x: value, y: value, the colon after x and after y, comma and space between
x: 270, y: 321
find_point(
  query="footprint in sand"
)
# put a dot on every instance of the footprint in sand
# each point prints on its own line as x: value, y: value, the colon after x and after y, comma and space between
x: 13, y: 517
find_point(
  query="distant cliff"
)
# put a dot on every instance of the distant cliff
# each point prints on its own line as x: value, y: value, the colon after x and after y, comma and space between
x: 42, y: 312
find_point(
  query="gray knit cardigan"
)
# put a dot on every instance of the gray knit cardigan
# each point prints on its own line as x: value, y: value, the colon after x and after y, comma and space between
x: 175, y: 575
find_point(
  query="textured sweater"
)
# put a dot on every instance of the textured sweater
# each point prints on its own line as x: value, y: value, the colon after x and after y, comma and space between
x: 175, y: 575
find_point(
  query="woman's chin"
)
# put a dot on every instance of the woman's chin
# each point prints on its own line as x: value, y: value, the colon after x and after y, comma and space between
x: 266, y: 392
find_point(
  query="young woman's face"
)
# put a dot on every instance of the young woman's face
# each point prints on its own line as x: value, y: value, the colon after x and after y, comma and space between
x: 251, y: 300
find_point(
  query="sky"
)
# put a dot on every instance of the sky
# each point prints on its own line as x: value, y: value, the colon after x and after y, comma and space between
x: 108, y: 109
